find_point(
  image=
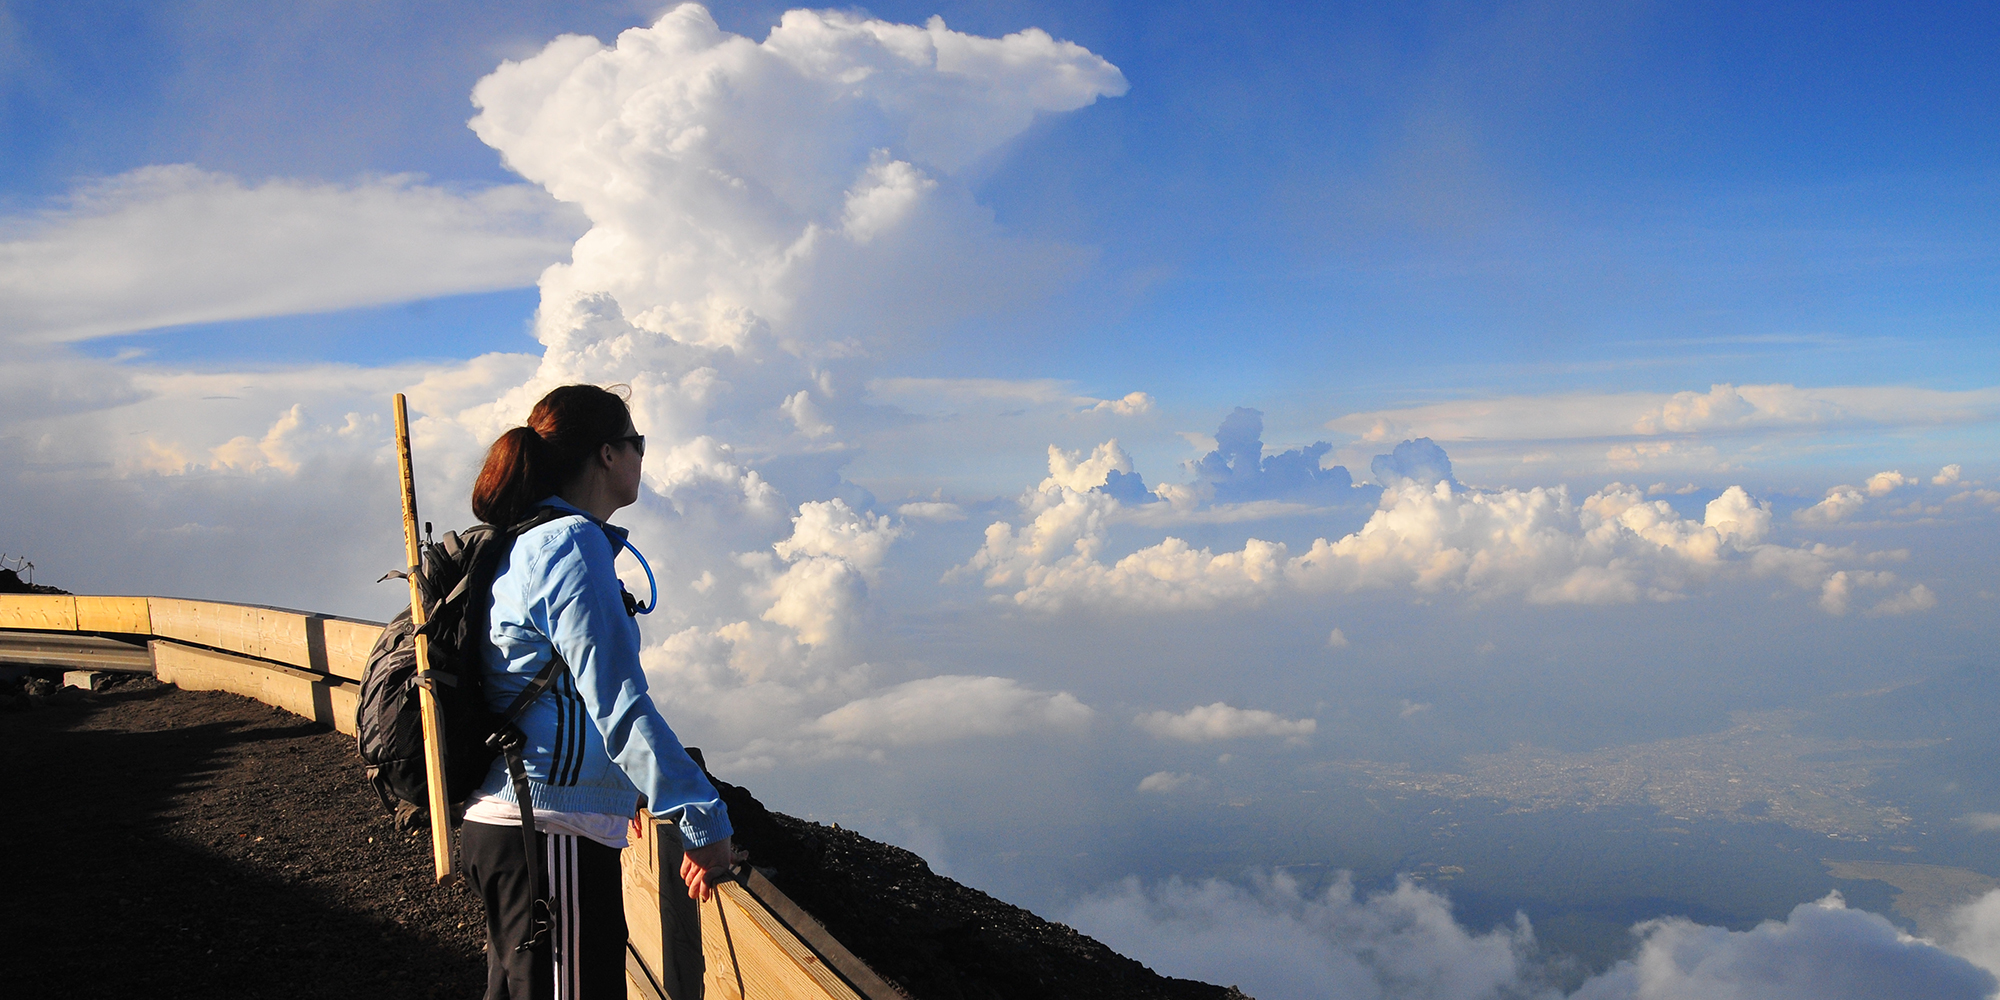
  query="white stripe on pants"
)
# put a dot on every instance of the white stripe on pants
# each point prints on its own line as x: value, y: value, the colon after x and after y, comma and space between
x: 563, y: 889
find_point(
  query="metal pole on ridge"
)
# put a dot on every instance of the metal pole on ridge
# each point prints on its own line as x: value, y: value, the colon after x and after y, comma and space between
x: 440, y: 810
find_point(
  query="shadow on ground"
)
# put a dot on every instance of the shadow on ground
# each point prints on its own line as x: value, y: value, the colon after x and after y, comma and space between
x: 164, y: 843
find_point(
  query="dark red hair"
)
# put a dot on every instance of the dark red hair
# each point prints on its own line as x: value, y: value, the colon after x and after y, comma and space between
x: 530, y: 463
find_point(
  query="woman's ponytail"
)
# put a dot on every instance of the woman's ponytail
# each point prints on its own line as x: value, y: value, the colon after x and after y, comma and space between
x: 513, y: 479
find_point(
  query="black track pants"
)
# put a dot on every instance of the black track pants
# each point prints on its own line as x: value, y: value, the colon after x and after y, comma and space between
x: 584, y: 958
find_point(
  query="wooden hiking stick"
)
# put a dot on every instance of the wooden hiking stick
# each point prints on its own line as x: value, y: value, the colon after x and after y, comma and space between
x: 440, y: 810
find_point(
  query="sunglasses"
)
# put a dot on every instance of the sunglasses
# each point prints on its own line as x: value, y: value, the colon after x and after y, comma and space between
x: 637, y: 441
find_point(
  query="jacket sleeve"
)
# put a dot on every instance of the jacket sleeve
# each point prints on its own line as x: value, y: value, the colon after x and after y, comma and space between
x: 588, y: 625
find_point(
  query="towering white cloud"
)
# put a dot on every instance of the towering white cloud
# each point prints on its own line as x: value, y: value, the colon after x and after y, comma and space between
x: 765, y: 217
x: 766, y: 220
x: 791, y: 188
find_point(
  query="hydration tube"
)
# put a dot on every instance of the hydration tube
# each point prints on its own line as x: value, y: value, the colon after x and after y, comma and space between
x: 646, y: 608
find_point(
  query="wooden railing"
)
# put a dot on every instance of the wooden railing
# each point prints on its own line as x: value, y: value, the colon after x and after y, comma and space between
x: 748, y: 943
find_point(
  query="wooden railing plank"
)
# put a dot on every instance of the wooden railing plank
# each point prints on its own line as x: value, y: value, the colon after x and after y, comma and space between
x: 750, y: 930
x: 269, y: 633
x: 808, y: 929
x: 127, y: 615
x: 281, y: 636
x: 231, y: 627
x: 41, y: 612
x: 347, y: 644
x: 639, y: 984
x: 751, y: 951
x: 662, y: 924
x: 644, y: 921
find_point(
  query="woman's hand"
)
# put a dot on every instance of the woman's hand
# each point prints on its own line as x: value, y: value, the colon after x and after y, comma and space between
x: 700, y: 865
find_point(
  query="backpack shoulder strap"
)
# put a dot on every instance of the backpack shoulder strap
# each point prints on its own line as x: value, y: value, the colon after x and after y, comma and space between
x: 490, y: 545
x: 541, y: 516
x: 535, y: 687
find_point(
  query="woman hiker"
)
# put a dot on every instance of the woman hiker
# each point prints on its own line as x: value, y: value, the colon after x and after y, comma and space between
x: 596, y: 747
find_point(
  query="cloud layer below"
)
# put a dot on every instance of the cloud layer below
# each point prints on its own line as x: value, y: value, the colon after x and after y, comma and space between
x: 1276, y: 941
x: 1614, y: 546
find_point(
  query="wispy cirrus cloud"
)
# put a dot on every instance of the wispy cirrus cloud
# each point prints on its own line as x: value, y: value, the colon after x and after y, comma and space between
x: 169, y: 245
x: 1723, y: 408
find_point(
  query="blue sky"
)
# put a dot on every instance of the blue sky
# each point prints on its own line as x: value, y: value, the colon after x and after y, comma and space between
x: 1694, y: 304
x: 1388, y: 205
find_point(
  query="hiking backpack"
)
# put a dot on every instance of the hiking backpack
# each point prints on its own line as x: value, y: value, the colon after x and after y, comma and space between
x: 455, y: 579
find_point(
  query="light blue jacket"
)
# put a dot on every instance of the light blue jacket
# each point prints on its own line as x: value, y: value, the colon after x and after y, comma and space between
x: 595, y: 741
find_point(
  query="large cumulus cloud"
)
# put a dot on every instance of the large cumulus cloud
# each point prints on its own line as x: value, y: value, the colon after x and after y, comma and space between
x: 800, y: 188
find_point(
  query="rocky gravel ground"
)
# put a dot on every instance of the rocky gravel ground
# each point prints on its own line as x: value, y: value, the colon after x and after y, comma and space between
x: 167, y: 843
